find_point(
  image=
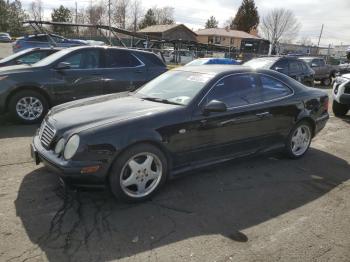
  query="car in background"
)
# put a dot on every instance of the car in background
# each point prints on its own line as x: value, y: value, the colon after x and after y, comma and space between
x: 290, y: 66
x: 344, y: 68
x: 323, y: 72
x: 28, y: 91
x: 28, y: 56
x: 213, y: 61
x: 180, y: 57
x: 187, y: 118
x: 5, y: 38
x: 341, y: 95
x: 49, y: 40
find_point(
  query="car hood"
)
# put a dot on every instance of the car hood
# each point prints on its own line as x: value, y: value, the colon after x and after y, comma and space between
x: 101, y: 110
x: 15, y: 69
x: 346, y: 76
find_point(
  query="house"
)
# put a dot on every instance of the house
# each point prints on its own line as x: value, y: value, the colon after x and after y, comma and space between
x: 172, y: 32
x: 239, y: 40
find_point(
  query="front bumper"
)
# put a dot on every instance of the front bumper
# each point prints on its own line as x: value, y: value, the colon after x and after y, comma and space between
x: 69, y: 171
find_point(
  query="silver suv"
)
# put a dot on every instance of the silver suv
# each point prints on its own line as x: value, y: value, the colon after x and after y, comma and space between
x: 341, y: 95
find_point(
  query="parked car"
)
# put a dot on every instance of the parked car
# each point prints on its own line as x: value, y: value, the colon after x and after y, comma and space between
x: 181, y: 57
x: 5, y: 38
x: 341, y: 95
x: 290, y: 66
x: 27, y: 56
x: 184, y: 119
x: 27, y: 92
x: 49, y: 40
x: 344, y: 68
x: 323, y: 71
x: 213, y: 61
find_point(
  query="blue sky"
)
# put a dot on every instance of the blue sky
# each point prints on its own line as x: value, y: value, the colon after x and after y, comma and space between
x: 310, y: 13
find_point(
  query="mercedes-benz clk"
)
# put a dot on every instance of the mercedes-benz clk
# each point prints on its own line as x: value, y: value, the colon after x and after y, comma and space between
x: 184, y: 119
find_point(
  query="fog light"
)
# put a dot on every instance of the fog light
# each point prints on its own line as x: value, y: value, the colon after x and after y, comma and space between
x: 89, y: 169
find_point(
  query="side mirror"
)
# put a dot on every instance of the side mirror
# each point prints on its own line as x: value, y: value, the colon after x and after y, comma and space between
x: 214, y: 106
x: 18, y: 62
x: 279, y: 69
x: 62, y: 65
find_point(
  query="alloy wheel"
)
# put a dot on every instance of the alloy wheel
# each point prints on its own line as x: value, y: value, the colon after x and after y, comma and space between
x: 141, y: 175
x: 29, y: 108
x: 300, y: 140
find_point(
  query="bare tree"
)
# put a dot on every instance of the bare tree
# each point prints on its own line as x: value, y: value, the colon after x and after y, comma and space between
x: 279, y: 24
x: 36, y: 10
x: 120, y: 12
x: 306, y: 41
x: 164, y: 15
x: 136, y: 14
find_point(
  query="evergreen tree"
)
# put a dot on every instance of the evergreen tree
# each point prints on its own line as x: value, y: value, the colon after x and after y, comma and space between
x: 212, y: 23
x: 61, y: 14
x: 148, y: 20
x: 11, y: 17
x: 247, y: 17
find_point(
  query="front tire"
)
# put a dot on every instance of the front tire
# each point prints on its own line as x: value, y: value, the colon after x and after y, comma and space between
x: 299, y: 140
x: 138, y: 173
x: 28, y: 107
x: 339, y: 109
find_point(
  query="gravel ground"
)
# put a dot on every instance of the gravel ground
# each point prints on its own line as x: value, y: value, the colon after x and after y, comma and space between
x: 263, y: 209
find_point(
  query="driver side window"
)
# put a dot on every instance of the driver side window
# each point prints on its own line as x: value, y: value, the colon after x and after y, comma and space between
x: 235, y: 90
x: 85, y: 59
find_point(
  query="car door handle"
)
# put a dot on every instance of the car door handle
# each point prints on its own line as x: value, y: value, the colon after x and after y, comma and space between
x: 264, y: 114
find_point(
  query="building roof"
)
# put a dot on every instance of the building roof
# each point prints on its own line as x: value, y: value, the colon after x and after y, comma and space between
x: 225, y: 32
x: 163, y: 28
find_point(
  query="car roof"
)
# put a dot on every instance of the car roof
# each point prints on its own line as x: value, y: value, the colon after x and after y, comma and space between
x: 109, y: 47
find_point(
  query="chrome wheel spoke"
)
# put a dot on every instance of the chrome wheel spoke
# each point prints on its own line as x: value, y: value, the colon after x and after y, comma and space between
x: 300, y: 140
x: 145, y: 173
x: 29, y: 108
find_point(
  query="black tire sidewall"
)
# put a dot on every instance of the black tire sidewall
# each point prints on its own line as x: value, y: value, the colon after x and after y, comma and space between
x: 119, y: 162
x: 17, y: 96
x: 288, y: 145
x: 339, y: 109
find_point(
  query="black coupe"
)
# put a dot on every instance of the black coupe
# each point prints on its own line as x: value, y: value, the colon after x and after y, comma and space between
x: 184, y: 119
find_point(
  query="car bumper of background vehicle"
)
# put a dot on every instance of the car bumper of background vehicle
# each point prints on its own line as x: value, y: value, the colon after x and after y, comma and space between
x: 344, y: 99
x: 69, y: 171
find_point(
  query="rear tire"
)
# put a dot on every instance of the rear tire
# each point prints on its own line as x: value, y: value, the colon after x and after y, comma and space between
x: 299, y: 140
x: 138, y: 173
x: 339, y: 109
x: 327, y: 81
x: 28, y: 107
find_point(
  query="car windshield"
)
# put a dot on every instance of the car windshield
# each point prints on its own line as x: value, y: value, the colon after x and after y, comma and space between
x: 52, y: 58
x: 175, y: 86
x: 259, y: 63
x: 197, y: 62
x: 10, y: 57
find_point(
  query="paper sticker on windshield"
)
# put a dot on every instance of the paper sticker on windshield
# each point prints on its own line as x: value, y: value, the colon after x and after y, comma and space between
x: 201, y: 78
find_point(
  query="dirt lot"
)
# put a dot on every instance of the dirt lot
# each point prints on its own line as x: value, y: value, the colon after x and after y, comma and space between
x: 5, y: 50
x: 263, y: 209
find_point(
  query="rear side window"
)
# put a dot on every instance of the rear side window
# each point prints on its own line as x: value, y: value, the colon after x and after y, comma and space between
x: 120, y: 59
x: 322, y: 62
x: 32, y: 57
x: 294, y: 67
x: 272, y: 88
x: 38, y: 38
x: 281, y: 66
x: 151, y: 59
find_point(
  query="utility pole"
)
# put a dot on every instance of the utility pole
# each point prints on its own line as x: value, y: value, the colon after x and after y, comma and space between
x: 76, y: 16
x: 319, y: 39
x: 109, y: 21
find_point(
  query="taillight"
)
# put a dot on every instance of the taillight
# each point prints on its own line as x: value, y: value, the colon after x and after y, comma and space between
x: 326, y: 104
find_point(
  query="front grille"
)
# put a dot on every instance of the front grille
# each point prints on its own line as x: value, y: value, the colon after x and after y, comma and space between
x: 46, y: 134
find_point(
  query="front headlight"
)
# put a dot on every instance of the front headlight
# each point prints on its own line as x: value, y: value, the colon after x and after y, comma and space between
x: 59, y: 146
x: 71, y: 147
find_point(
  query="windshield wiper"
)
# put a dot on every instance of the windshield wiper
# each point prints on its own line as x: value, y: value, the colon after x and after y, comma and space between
x: 161, y: 100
